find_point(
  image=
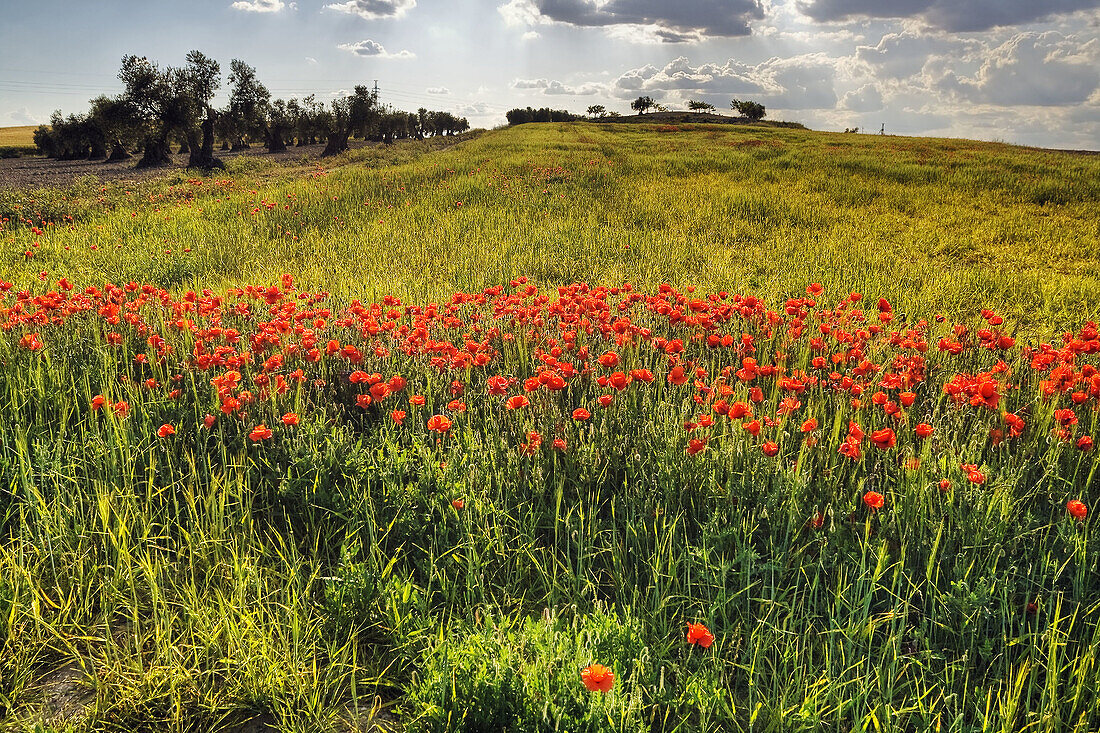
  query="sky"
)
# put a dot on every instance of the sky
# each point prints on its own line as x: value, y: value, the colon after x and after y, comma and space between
x: 1018, y: 71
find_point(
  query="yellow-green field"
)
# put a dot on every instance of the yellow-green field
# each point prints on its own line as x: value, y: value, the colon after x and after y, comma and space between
x: 783, y: 430
x: 935, y: 225
x: 17, y: 137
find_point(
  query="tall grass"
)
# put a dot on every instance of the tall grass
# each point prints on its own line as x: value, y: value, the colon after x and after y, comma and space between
x: 322, y: 578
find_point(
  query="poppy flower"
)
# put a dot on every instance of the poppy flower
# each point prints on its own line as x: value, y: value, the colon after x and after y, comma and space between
x: 598, y: 678
x: 1077, y: 509
x: 770, y: 449
x: 945, y: 484
x: 515, y: 402
x: 696, y: 445
x: 752, y: 428
x: 874, y: 500
x: 608, y: 359
x: 260, y: 432
x: 699, y: 634
x: 291, y: 419
x: 209, y: 421
x: 809, y: 425
x: 739, y: 410
x: 122, y: 409
x: 98, y: 401
x: 884, y: 439
x: 398, y: 416
x: 458, y: 504
x: 1084, y: 443
x: 166, y: 430
x: 923, y: 430
x: 439, y: 423
x: 619, y: 381
x: 605, y: 400
x: 363, y: 400
x: 677, y: 376
x: 581, y: 414
x: 417, y: 400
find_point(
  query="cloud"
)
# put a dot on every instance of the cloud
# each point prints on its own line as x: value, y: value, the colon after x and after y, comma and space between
x: 666, y: 22
x: 799, y: 82
x: 902, y: 55
x: 1038, y: 69
x: 22, y: 116
x: 374, y: 9
x: 438, y: 90
x: 949, y: 15
x: 868, y: 98
x: 259, y: 6
x: 374, y: 50
x: 553, y: 87
x: 531, y: 35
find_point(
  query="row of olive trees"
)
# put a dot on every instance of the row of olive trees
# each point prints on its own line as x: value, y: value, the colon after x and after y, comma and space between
x: 745, y: 108
x: 159, y: 106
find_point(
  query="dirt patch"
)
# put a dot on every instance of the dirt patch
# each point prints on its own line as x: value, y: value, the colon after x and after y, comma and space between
x: 62, y: 697
x: 38, y: 172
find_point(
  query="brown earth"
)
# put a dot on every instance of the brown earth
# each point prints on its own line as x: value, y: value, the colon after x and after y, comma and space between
x: 39, y: 172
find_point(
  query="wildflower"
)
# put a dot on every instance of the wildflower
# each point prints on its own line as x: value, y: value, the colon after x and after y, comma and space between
x: 439, y: 423
x: 809, y: 425
x: 605, y: 400
x: 1084, y: 443
x: 696, y: 445
x: 209, y: 421
x: 122, y: 409
x: 398, y: 416
x: 458, y: 504
x: 700, y: 634
x: 291, y: 419
x: 923, y: 430
x: 417, y: 400
x: 884, y: 439
x: 363, y: 400
x: 874, y: 500
x: 1077, y: 509
x: 581, y: 414
x: 770, y: 449
x: 98, y: 401
x: 166, y: 430
x: 608, y: 359
x: 515, y: 402
x: 597, y: 677
x: 260, y: 432
x: 945, y: 484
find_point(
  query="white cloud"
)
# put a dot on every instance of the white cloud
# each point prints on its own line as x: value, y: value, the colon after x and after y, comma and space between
x: 311, y: 61
x: 22, y: 116
x: 531, y: 35
x: 682, y: 21
x: 374, y: 50
x: 438, y: 90
x: 554, y: 87
x: 259, y: 6
x: 374, y: 9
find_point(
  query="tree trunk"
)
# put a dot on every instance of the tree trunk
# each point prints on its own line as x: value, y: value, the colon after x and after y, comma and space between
x: 118, y: 152
x: 276, y: 142
x: 156, y: 153
x: 337, y: 143
x: 186, y: 146
x: 240, y: 144
x: 99, y: 151
x: 202, y: 153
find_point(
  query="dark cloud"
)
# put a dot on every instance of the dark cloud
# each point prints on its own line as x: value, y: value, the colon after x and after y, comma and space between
x: 950, y: 15
x: 677, y: 22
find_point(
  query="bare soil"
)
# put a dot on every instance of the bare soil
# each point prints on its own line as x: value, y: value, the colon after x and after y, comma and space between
x: 39, y: 172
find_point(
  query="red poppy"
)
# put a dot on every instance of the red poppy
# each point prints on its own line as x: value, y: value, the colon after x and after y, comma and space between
x: 98, y: 401
x: 398, y: 416
x: 700, y: 634
x: 166, y: 430
x: 260, y: 432
x: 291, y: 419
x: 752, y: 428
x: 739, y: 410
x: 379, y: 391
x: 1077, y: 509
x: 209, y: 421
x: 677, y: 376
x: 874, y: 500
x: 458, y: 504
x: 923, y: 430
x: 696, y: 445
x: 809, y: 425
x: 1084, y: 443
x: 608, y: 359
x: 417, y: 400
x: 619, y: 381
x: 770, y: 448
x: 598, y: 678
x: 945, y: 484
x: 605, y: 400
x: 515, y: 402
x: 581, y: 414
x: 363, y: 400
x: 439, y: 423
x: 884, y: 439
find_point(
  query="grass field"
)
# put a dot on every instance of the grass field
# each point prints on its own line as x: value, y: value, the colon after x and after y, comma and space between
x: 17, y: 137
x: 409, y: 441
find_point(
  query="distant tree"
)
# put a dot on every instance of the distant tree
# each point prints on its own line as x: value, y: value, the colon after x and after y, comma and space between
x: 248, y: 103
x: 151, y: 92
x: 642, y: 104
x: 753, y: 110
x: 307, y: 122
x: 597, y: 110
x: 45, y: 139
x: 356, y: 114
x: 421, y: 123
x: 520, y: 116
x: 197, y: 83
x: 280, y: 123
x: 699, y: 106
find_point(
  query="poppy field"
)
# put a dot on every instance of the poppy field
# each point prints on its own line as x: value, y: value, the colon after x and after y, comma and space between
x: 560, y: 429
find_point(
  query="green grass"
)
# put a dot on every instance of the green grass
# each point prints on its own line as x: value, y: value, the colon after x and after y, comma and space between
x: 321, y: 579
